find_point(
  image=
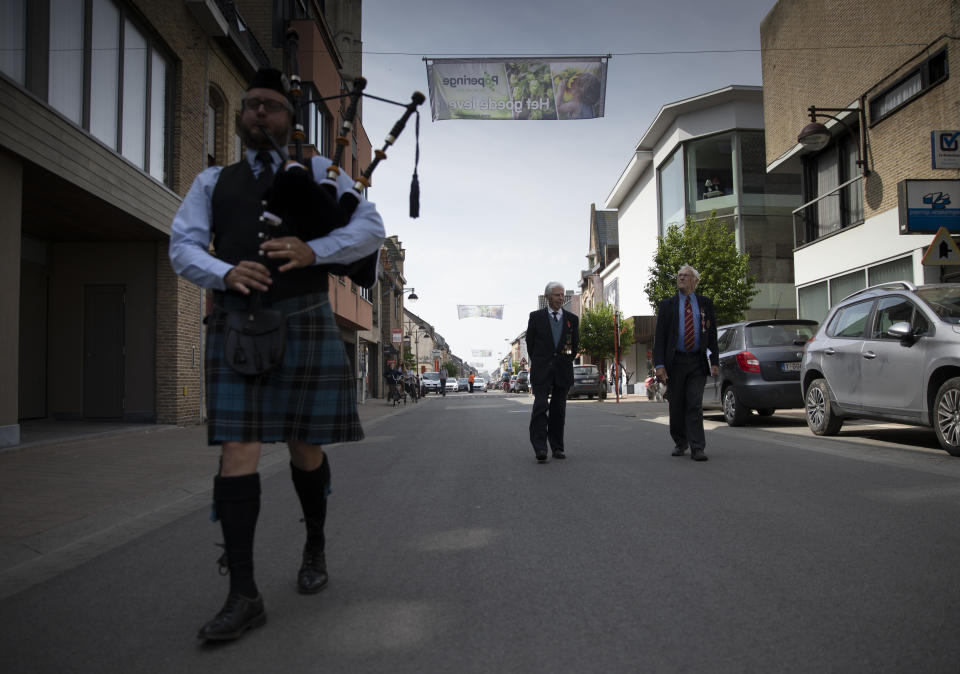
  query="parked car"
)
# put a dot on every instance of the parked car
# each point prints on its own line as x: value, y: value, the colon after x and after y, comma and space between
x: 431, y: 382
x: 512, y: 387
x: 759, y: 368
x: 452, y: 385
x: 889, y: 352
x: 479, y: 384
x: 586, y: 382
x: 523, y: 382
x: 463, y: 384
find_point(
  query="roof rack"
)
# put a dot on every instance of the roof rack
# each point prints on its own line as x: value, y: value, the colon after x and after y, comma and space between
x: 890, y: 285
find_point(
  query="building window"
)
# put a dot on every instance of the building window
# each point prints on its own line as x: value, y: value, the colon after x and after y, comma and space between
x: 918, y: 81
x: 896, y: 270
x: 318, y: 125
x: 65, y: 58
x: 670, y: 185
x: 843, y: 286
x: 93, y: 62
x: 813, y: 302
x: 13, y: 37
x: 214, y: 126
x: 833, y: 190
x: 710, y: 170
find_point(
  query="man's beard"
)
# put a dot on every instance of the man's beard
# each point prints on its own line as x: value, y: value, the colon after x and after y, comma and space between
x: 260, y: 141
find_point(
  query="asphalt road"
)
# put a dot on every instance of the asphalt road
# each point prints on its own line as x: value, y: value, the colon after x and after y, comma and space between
x: 451, y: 550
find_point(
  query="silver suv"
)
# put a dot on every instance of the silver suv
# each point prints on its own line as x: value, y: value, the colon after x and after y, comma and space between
x: 888, y: 352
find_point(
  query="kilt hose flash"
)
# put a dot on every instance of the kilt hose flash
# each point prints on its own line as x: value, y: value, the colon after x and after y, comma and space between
x: 311, y: 396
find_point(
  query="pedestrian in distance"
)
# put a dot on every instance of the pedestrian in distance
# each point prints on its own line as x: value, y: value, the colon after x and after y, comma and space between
x: 553, y: 339
x: 686, y: 330
x: 307, y: 396
x: 443, y: 382
x: 470, y: 382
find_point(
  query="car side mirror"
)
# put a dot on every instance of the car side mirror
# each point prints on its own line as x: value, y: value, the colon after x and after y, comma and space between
x: 902, y: 331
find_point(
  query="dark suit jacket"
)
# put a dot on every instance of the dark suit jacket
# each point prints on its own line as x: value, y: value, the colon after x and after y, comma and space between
x: 549, y: 365
x: 668, y: 326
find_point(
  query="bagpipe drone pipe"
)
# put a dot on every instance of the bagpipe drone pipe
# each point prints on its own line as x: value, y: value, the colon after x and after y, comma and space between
x: 300, y: 206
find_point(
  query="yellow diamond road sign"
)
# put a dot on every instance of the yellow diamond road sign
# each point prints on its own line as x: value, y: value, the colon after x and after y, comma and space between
x: 943, y: 250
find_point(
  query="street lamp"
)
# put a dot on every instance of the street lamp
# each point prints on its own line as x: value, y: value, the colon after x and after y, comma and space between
x: 413, y: 295
x: 815, y: 136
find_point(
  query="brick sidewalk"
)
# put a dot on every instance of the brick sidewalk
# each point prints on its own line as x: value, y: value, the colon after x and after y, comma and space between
x: 68, y: 499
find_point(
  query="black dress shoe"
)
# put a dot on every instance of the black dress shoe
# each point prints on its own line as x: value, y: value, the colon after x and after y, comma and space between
x: 238, y: 615
x: 559, y: 455
x: 541, y: 457
x: 698, y: 455
x: 678, y: 452
x: 312, y: 576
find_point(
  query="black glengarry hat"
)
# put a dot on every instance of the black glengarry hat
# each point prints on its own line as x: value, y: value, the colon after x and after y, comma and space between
x: 271, y: 78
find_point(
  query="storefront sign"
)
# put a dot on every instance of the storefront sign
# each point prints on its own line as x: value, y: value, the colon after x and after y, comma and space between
x: 945, y: 149
x: 927, y: 205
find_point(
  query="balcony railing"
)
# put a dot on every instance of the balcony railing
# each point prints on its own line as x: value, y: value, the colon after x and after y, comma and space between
x: 807, y: 225
x: 242, y: 36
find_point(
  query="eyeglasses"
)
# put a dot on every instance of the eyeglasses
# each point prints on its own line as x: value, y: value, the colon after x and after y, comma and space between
x: 269, y: 104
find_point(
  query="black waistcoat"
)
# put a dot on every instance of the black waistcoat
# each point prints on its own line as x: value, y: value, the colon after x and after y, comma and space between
x: 236, y: 208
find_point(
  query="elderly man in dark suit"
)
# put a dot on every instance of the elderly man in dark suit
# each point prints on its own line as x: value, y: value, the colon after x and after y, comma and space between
x: 686, y: 329
x: 553, y: 338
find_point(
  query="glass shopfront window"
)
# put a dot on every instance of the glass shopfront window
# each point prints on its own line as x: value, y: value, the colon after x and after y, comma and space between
x: 813, y: 302
x: 670, y: 186
x: 845, y: 285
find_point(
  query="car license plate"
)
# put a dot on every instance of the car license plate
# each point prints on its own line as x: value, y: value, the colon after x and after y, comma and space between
x: 790, y: 367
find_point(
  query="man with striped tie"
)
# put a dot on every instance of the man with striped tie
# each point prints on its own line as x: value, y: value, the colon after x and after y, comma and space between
x: 686, y: 329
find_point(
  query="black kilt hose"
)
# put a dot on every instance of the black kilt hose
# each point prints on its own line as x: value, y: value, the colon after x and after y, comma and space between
x: 311, y: 396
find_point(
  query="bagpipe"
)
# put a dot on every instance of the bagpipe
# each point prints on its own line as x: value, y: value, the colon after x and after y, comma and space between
x: 300, y: 206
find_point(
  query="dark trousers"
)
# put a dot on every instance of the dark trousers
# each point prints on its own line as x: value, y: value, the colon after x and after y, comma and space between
x: 685, y: 392
x: 546, y: 420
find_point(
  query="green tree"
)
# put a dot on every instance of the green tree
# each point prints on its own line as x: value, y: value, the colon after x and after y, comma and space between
x: 711, y: 248
x: 451, y: 368
x: 596, y: 332
x: 409, y: 359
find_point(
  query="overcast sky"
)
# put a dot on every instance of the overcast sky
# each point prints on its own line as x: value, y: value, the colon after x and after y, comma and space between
x: 505, y: 205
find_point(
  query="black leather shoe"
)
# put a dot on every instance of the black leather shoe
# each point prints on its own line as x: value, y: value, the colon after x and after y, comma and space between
x: 312, y: 576
x: 678, y: 452
x: 559, y: 455
x: 238, y: 615
x: 698, y: 455
x: 541, y: 457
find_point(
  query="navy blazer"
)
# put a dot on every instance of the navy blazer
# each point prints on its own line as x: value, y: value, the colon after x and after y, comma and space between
x: 549, y: 365
x: 668, y: 327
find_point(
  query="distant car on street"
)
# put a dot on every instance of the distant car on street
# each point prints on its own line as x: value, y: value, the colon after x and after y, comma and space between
x: 586, y: 382
x: 431, y: 382
x: 759, y: 368
x: 512, y: 388
x: 463, y: 384
x: 452, y: 385
x: 479, y: 384
x: 523, y: 382
x: 890, y: 352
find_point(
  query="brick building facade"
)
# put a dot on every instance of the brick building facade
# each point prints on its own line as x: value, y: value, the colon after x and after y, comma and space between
x: 893, y: 65
x: 110, y: 109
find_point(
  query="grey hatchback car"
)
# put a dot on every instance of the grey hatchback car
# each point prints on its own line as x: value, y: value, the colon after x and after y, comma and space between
x: 759, y: 367
x: 888, y: 352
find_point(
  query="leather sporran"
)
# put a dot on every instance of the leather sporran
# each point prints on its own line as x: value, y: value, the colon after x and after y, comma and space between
x: 254, y: 340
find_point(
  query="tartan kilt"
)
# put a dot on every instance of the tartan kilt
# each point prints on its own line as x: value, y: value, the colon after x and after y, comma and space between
x: 310, y: 396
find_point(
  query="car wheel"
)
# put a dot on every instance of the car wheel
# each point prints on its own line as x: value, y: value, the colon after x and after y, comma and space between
x: 766, y: 412
x: 734, y: 413
x: 946, y: 412
x: 821, y: 417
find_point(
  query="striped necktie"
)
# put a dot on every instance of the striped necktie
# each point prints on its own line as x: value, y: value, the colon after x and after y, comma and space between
x: 689, y: 340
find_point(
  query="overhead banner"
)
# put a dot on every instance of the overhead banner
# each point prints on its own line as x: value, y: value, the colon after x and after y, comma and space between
x: 482, y: 353
x: 480, y: 311
x: 517, y: 88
